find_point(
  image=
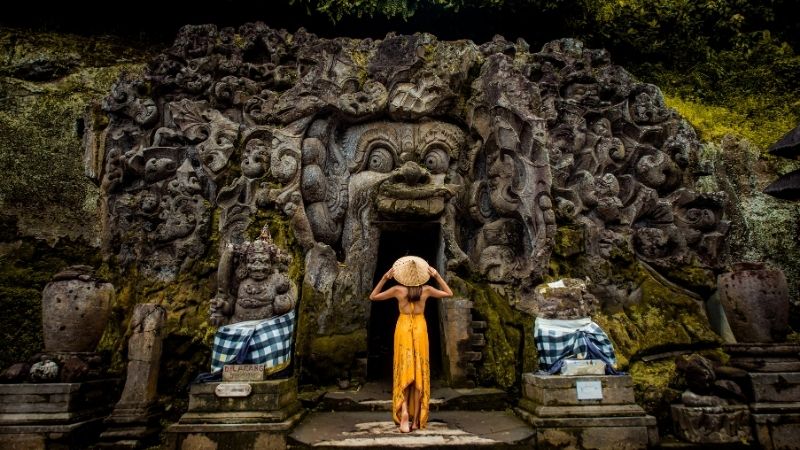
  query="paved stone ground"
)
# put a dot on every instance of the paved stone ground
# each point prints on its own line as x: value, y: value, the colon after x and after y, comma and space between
x: 460, y: 418
x: 446, y: 429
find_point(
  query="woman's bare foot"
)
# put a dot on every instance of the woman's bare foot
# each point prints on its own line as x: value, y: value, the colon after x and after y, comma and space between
x: 404, y: 423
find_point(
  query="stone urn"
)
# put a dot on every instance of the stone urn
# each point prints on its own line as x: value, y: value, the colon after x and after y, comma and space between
x: 75, y: 310
x: 756, y: 302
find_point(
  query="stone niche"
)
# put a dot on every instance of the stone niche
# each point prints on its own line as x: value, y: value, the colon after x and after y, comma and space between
x: 356, y: 152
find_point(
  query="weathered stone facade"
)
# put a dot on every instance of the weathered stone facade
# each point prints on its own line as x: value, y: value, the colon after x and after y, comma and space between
x: 506, y: 159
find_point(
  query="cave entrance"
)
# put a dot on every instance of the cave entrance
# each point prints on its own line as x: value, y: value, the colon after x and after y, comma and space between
x: 399, y: 239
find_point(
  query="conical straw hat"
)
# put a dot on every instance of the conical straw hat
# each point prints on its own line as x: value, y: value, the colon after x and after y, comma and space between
x: 411, y: 271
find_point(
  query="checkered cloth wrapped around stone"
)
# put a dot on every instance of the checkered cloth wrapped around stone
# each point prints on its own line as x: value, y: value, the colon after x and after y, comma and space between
x: 267, y: 341
x: 557, y: 340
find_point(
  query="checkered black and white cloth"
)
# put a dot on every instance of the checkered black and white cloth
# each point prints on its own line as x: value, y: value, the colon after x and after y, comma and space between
x: 267, y: 341
x: 557, y: 340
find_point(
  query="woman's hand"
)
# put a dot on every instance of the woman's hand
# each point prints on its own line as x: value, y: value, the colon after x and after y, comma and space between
x: 432, y: 272
x: 389, y: 274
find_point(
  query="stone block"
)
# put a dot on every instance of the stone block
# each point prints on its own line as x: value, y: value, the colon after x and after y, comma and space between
x: 559, y: 390
x: 269, y: 401
x: 551, y: 404
x: 265, y: 395
x: 712, y: 424
x: 56, y: 402
x: 764, y: 357
x: 777, y: 387
x: 777, y: 431
x: 607, y: 433
x: 456, y: 317
x: 74, y: 435
x: 202, y: 436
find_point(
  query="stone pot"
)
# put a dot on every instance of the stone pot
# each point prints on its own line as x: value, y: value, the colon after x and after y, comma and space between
x: 75, y: 310
x: 756, y: 302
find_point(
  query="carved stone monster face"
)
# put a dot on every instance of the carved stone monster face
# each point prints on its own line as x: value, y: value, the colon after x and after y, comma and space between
x: 258, y: 264
x: 411, y: 163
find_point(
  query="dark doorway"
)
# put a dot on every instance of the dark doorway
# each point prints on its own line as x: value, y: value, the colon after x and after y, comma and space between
x: 397, y: 240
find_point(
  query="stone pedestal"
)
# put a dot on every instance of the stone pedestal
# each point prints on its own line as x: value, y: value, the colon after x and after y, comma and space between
x: 255, y: 414
x: 727, y: 424
x: 776, y: 409
x: 134, y: 423
x: 458, y: 338
x: 774, y: 391
x: 585, y: 411
x: 54, y: 415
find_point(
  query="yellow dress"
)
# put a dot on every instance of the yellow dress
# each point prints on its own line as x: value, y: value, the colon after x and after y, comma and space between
x: 411, y: 364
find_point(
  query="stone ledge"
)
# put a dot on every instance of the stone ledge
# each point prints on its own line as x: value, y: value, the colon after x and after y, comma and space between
x: 776, y: 408
x: 607, y: 433
x: 245, y: 417
x: 281, y: 426
x: 56, y: 417
x: 586, y: 422
x: 582, y: 411
x: 42, y: 436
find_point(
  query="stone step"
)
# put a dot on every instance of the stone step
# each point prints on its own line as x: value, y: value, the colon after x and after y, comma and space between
x: 446, y: 429
x: 376, y: 396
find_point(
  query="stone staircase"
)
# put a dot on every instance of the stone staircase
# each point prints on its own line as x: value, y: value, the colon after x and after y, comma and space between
x: 459, y: 418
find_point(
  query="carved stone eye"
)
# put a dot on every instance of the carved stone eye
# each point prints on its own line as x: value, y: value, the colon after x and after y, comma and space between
x: 437, y: 161
x: 380, y: 160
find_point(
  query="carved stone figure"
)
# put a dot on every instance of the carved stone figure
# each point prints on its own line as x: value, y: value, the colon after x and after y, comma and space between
x: 258, y: 288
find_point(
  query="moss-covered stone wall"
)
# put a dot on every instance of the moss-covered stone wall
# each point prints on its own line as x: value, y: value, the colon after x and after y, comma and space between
x: 48, y: 206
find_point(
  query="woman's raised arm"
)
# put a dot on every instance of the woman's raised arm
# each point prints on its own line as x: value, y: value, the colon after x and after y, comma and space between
x: 376, y: 293
x: 445, y: 290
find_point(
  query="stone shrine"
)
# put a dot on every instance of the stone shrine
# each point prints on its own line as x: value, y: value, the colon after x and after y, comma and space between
x: 244, y: 409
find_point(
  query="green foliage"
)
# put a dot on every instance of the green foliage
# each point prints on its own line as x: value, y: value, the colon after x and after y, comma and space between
x: 726, y: 65
x: 336, y: 10
x: 749, y: 91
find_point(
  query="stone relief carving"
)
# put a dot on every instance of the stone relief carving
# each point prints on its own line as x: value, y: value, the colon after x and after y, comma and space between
x: 498, y: 144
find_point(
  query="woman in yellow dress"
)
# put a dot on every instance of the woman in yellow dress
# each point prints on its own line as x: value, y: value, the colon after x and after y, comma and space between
x: 411, y: 391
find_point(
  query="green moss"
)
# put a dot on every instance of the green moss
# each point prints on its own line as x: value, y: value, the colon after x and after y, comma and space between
x: 754, y: 118
x: 333, y: 355
x: 568, y: 241
x: 510, y: 349
x: 697, y: 279
x: 654, y: 387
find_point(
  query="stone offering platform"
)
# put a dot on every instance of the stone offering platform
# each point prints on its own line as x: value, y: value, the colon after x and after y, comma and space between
x: 596, y: 412
x: 256, y: 414
x: 49, y: 415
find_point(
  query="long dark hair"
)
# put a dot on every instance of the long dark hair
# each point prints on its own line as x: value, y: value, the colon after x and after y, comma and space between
x: 414, y: 293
